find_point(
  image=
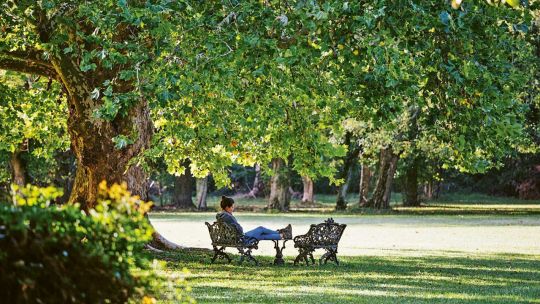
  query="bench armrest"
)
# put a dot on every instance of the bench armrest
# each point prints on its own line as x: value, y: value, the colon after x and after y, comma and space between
x: 301, y: 240
x: 249, y: 242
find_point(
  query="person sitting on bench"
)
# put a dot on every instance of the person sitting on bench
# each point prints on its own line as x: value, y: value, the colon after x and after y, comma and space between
x: 259, y: 233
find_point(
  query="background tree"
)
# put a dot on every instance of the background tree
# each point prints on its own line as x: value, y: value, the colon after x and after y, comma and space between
x: 183, y: 188
x: 33, y: 130
x: 307, y: 196
x: 432, y: 72
x: 202, y: 192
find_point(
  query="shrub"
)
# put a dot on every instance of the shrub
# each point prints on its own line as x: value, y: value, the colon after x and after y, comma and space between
x: 59, y: 254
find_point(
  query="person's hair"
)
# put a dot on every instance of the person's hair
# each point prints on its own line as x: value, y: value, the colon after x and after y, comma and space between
x: 226, y: 202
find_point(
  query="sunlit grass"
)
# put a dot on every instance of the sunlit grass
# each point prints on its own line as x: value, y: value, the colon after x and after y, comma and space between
x: 444, y: 278
x: 404, y: 277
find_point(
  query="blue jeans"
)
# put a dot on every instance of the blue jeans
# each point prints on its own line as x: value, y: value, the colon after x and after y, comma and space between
x: 262, y: 233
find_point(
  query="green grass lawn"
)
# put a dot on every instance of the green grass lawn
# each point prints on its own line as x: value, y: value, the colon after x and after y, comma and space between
x: 399, y: 277
x: 445, y: 278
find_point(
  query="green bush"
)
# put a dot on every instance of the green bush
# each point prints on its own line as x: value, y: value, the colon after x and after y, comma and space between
x: 59, y: 254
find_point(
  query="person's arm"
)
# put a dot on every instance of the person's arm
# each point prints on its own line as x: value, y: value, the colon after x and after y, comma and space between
x: 231, y: 220
x: 237, y: 225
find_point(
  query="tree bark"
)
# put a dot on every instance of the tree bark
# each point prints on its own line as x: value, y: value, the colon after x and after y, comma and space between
x: 280, y: 197
x: 307, y: 197
x: 365, y: 176
x: 346, y: 173
x: 389, y: 180
x: 428, y: 190
x: 202, y: 190
x: 183, y: 188
x: 99, y: 160
x: 18, y: 168
x: 387, y: 168
x: 341, y: 201
x: 257, y: 183
x: 410, y: 187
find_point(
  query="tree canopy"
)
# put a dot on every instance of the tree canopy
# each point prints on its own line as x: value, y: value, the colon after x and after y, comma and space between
x: 246, y: 82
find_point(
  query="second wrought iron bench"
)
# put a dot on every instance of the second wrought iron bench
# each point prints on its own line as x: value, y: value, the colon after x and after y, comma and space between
x: 320, y: 236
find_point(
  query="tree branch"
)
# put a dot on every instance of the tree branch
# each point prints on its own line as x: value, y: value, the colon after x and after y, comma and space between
x: 27, y: 66
x: 29, y: 55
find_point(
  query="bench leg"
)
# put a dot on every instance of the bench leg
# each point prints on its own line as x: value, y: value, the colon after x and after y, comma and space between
x: 334, y: 256
x: 323, y: 258
x: 220, y: 253
x: 331, y: 254
x: 246, y: 253
x: 251, y: 258
x: 303, y: 255
x: 296, y: 260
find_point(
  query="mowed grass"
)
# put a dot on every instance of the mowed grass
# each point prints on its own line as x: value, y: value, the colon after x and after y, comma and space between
x: 426, y: 277
x: 444, y: 278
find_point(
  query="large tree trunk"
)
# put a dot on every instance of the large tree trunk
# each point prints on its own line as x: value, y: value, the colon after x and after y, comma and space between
x: 258, y: 184
x: 346, y: 173
x: 202, y: 190
x: 99, y: 158
x: 307, y: 197
x: 410, y: 185
x: 19, y: 171
x: 365, y: 177
x: 183, y: 188
x: 387, y: 168
x: 280, y: 197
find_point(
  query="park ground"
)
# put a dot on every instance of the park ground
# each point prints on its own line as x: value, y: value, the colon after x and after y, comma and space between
x: 463, y: 249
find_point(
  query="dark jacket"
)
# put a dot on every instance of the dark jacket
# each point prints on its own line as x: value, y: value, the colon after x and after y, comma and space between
x: 228, y: 218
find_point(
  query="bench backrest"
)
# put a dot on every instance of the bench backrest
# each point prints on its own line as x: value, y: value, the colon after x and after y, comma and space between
x: 325, y: 234
x: 223, y: 234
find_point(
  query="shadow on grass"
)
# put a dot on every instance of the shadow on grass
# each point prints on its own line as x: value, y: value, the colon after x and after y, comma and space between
x: 368, y: 279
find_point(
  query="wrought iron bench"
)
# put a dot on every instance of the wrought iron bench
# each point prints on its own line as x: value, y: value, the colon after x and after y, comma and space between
x: 321, y: 236
x: 224, y: 235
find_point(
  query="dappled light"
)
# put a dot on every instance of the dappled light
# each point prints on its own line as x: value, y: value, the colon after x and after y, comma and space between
x: 367, y: 279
